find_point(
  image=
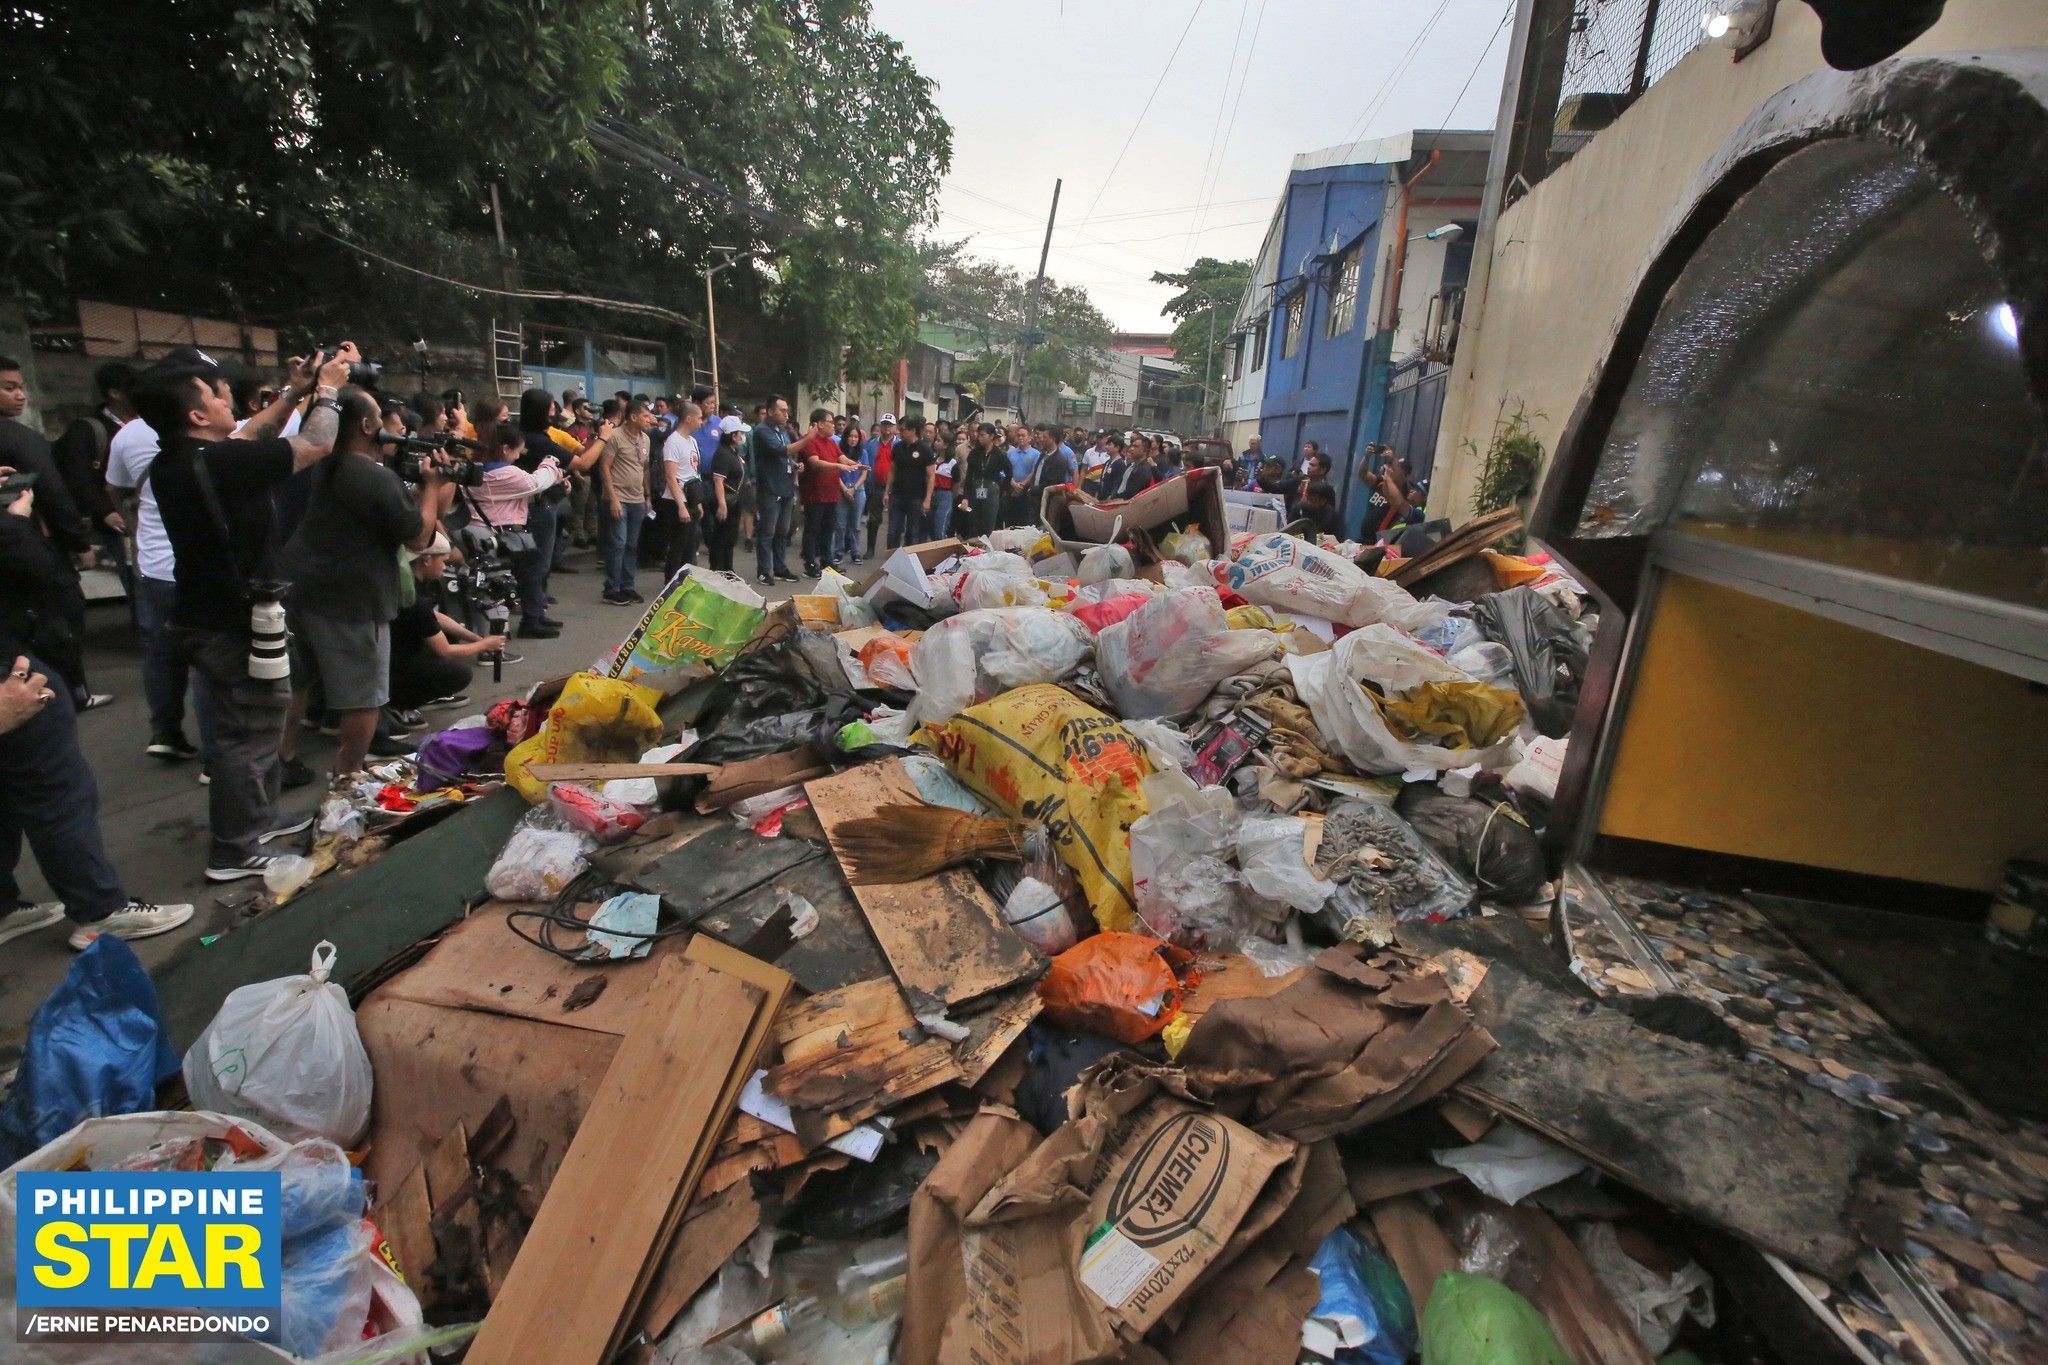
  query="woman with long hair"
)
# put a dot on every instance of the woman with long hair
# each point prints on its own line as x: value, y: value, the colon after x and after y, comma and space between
x: 726, y: 477
x: 508, y: 498
x: 979, y: 486
x: 853, y: 496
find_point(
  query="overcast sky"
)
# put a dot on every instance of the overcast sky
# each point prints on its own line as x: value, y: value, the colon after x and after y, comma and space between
x: 1039, y: 89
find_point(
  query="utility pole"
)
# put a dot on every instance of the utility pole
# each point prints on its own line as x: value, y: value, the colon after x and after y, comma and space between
x: 711, y: 315
x: 1029, y: 337
x: 1209, y: 389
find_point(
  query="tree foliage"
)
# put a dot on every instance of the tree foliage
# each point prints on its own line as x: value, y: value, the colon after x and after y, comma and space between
x: 990, y: 304
x: 252, y: 157
x: 1202, y: 312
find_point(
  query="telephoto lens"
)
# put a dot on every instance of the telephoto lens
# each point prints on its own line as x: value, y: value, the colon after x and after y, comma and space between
x: 268, y: 658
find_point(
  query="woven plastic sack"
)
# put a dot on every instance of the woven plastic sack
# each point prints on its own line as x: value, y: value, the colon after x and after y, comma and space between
x: 1168, y: 655
x: 286, y: 1053
x: 595, y: 720
x: 1122, y: 986
x: 1332, y: 685
x: 1289, y: 574
x: 694, y: 627
x: 979, y: 655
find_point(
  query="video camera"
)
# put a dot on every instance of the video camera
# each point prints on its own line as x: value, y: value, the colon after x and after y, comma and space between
x: 411, y: 455
x: 481, y: 588
x: 362, y: 373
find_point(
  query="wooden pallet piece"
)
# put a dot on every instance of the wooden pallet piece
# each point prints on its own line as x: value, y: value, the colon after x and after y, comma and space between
x: 638, y: 1151
x: 943, y: 935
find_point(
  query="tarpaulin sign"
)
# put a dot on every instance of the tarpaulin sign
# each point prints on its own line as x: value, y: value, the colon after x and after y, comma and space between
x: 147, y: 1256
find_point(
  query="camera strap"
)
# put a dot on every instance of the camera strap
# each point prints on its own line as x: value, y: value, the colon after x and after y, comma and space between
x: 211, y: 497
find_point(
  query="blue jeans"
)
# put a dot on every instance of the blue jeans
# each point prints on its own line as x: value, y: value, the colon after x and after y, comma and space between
x: 853, y: 520
x: 622, y: 545
x: 47, y: 794
x: 774, y: 519
x: 942, y: 513
x: 165, y: 674
x: 544, y: 523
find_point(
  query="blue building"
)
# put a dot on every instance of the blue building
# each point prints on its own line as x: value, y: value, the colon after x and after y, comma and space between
x: 1345, y: 332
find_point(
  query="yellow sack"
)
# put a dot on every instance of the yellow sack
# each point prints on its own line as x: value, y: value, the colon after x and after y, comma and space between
x: 1456, y: 715
x: 595, y: 720
x: 1512, y: 571
x: 1042, y: 754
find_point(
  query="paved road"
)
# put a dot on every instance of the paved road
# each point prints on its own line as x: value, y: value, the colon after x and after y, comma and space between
x: 153, y: 814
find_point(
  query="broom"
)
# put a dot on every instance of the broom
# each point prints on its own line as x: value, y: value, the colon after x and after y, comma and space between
x: 902, y: 843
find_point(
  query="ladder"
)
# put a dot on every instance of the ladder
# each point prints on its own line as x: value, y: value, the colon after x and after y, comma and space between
x: 508, y: 349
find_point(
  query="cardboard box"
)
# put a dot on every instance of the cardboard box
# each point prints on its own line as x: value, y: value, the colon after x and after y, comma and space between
x: 1078, y: 522
x: 904, y: 575
x: 1253, y: 513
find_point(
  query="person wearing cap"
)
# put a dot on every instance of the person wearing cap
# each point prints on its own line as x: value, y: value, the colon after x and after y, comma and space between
x: 727, y: 478
x: 433, y: 656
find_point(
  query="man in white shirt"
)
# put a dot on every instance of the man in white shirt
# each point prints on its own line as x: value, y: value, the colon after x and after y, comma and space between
x: 679, y: 489
x: 165, y: 674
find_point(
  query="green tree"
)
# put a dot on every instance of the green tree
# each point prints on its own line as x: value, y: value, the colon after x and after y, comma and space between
x: 1202, y: 312
x: 990, y: 302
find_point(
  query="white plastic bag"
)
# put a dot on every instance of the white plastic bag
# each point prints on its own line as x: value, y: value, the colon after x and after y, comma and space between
x: 1272, y: 857
x: 286, y: 1053
x: 979, y: 589
x: 1511, y: 1163
x: 1183, y: 883
x: 1331, y: 686
x: 1105, y: 562
x: 1039, y: 915
x: 537, y: 863
x: 1486, y: 662
x: 1287, y: 573
x: 978, y: 655
x: 1166, y: 744
x: 1166, y: 657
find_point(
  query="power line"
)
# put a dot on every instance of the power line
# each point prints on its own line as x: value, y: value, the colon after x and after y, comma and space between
x: 1459, y: 99
x: 1394, y: 77
x: 1156, y: 86
x: 1222, y: 156
x: 1216, y: 128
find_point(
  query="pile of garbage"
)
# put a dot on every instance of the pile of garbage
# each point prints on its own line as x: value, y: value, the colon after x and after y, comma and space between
x: 1117, y: 940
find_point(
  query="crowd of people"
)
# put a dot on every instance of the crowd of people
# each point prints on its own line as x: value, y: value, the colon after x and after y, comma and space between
x: 313, y: 553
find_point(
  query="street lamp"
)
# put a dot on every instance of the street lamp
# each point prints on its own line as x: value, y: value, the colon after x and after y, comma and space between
x: 1438, y: 234
x: 731, y: 254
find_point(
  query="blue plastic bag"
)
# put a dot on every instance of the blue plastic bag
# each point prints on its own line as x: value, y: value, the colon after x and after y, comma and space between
x: 1363, y: 1302
x: 97, y: 1046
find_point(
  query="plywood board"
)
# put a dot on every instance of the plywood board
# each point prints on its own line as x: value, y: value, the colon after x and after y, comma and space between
x: 600, y: 1227
x: 943, y: 935
x: 480, y: 964
x: 1415, y: 1244
x: 714, y: 1229
x: 716, y: 866
x: 839, y: 951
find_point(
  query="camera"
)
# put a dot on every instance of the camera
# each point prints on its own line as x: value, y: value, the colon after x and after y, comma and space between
x: 363, y: 374
x: 482, y: 587
x: 269, y: 653
x: 412, y: 456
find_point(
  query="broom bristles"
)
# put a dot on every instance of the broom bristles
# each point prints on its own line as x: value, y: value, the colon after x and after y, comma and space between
x: 903, y: 843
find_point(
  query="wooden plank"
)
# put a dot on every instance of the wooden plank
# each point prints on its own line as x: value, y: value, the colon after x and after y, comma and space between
x: 1415, y: 1244
x: 605, y: 772
x: 943, y: 935
x: 1744, y: 1148
x: 715, y: 1228
x: 1588, y: 1322
x: 480, y: 964
x: 735, y: 782
x: 642, y: 1143
x: 417, y: 888
x: 811, y: 1026
x: 404, y: 1216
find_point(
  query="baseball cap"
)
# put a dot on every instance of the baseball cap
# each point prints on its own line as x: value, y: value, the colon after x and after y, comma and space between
x: 729, y: 424
x: 889, y: 417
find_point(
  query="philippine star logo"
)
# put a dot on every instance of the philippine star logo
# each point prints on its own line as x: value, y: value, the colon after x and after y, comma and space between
x: 147, y: 1255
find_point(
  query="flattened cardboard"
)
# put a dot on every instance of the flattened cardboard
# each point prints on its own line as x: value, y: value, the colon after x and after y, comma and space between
x: 1160, y: 1182
x: 943, y: 935
x: 904, y: 574
x: 1078, y: 523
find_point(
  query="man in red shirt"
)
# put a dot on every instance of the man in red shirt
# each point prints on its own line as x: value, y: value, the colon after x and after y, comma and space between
x: 819, y: 461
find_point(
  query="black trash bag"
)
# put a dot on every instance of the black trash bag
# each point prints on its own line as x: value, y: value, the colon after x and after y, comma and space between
x: 1054, y: 1058
x: 1549, y: 649
x: 861, y: 1198
x: 813, y: 727
x: 790, y: 674
x: 1485, y: 840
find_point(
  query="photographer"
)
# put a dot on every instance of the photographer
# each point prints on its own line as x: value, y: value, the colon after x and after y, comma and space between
x: 214, y: 495
x: 508, y: 499
x: 342, y: 562
x: 544, y: 515
x: 433, y: 656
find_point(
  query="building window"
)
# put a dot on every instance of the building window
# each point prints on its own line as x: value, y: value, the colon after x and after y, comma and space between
x: 1290, y: 328
x: 1259, y: 346
x: 1237, y: 360
x: 1344, y: 293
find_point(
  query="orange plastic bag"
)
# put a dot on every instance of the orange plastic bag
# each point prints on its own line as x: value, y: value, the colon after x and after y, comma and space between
x: 887, y: 660
x: 1122, y: 986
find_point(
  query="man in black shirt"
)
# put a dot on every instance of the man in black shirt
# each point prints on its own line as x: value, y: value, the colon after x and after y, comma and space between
x: 912, y: 478
x: 1316, y: 514
x: 1053, y: 469
x: 214, y: 494
x: 433, y: 656
x: 61, y: 623
x: 342, y: 562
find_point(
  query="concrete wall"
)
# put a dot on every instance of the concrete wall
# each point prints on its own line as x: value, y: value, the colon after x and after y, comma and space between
x: 1566, y: 257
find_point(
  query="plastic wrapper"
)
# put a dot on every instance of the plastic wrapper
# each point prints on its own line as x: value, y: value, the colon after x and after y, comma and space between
x: 641, y: 791
x: 539, y: 860
x: 1105, y: 562
x: 979, y: 655
x: 1541, y: 765
x: 1040, y: 916
x: 1486, y: 662
x: 887, y: 661
x: 1287, y: 573
x: 1449, y: 631
x: 1278, y: 959
x: 1271, y: 855
x: 1392, y: 873
x: 854, y: 610
x: 1361, y: 1318
x: 1511, y: 1163
x: 286, y: 1053
x: 339, y: 819
x: 1186, y: 888
x: 1347, y: 686
x: 591, y: 812
x: 1474, y: 1320
x: 1656, y: 1305
x: 1488, y: 841
x: 1122, y: 986
x: 1165, y: 743
x: 1189, y: 547
x: 594, y: 720
x: 97, y: 1044
x: 1550, y: 651
x: 1168, y: 655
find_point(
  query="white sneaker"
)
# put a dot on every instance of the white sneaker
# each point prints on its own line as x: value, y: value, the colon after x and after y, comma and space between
x: 26, y: 919
x: 254, y: 866
x: 137, y: 919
